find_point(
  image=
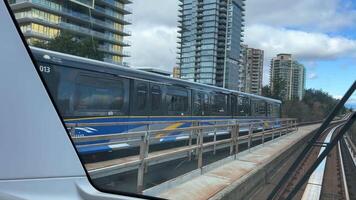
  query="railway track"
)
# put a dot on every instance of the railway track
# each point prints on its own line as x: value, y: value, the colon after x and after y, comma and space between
x: 327, y: 181
x: 335, y: 177
x: 334, y: 181
x: 350, y: 169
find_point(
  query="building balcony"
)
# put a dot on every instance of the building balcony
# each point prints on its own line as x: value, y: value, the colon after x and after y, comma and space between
x: 111, y: 15
x: 70, y: 14
x: 80, y: 30
x: 60, y: 10
x: 31, y: 33
x: 89, y: 32
x: 107, y: 49
x: 116, y: 6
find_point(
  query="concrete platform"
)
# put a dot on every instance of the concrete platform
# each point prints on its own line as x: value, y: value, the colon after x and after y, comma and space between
x: 234, y: 177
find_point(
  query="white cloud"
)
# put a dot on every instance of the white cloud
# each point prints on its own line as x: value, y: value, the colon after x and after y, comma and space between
x: 312, y: 76
x: 154, y: 34
x: 297, y: 27
x: 323, y: 15
x: 305, y: 46
x: 154, y: 47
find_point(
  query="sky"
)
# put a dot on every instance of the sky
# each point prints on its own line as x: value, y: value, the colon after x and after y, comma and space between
x: 321, y: 34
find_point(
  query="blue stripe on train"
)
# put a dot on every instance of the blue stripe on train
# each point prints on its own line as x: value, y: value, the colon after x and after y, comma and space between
x: 93, y: 149
x: 103, y: 130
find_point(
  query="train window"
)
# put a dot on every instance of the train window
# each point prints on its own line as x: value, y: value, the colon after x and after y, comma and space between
x: 177, y: 100
x: 276, y: 110
x: 141, y: 96
x: 219, y: 104
x: 200, y: 104
x: 156, y: 97
x: 258, y: 107
x: 98, y: 95
x: 244, y: 106
x: 234, y: 110
x: 269, y: 109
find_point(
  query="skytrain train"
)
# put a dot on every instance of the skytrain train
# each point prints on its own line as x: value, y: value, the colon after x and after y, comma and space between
x: 90, y: 91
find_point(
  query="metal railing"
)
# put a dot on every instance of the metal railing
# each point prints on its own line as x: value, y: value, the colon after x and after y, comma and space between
x: 195, y: 134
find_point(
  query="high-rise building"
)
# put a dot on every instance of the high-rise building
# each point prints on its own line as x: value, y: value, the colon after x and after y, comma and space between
x: 287, y: 76
x: 176, y: 72
x: 102, y: 20
x: 211, y: 33
x: 251, y: 72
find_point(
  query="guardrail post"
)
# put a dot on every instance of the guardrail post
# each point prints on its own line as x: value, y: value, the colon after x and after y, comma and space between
x: 141, y: 167
x: 250, y: 131
x: 72, y: 130
x: 263, y: 133
x: 214, y: 152
x: 200, y: 148
x: 237, y: 135
x: 190, y: 144
x: 148, y: 128
x: 295, y: 124
x: 273, y: 132
x: 196, y: 133
x: 232, y: 138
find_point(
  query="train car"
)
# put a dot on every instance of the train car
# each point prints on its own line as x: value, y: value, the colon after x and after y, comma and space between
x: 90, y: 91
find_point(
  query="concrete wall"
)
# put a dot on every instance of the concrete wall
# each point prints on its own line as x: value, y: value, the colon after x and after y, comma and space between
x: 246, y: 187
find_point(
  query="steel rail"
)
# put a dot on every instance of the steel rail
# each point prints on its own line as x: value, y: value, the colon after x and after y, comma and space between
x: 312, y: 190
x: 327, y: 150
x: 314, y: 139
x: 344, y: 181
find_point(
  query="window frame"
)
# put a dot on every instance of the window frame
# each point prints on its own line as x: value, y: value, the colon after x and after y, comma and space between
x: 99, y: 113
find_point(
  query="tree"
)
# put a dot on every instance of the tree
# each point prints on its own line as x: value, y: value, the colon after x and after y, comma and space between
x: 68, y: 43
x: 315, y: 105
x: 278, y: 91
x: 266, y: 91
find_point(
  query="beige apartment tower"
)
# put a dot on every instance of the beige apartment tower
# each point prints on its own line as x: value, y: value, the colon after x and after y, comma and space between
x: 288, y: 76
x: 251, y: 72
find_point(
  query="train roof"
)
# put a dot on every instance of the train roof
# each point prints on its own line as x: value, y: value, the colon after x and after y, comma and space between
x: 57, y: 57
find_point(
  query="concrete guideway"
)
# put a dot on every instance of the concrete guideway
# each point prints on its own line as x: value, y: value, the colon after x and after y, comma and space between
x: 349, y: 167
x: 314, y: 185
x: 233, y: 178
x: 351, y: 148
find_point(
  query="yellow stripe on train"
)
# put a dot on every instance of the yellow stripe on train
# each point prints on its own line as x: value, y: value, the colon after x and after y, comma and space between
x: 168, y: 128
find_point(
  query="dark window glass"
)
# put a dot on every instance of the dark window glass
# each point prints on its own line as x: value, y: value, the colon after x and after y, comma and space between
x: 219, y: 104
x: 269, y: 109
x: 234, y: 105
x: 177, y: 100
x: 244, y: 106
x: 141, y: 96
x: 261, y: 107
x: 156, y: 97
x: 198, y: 103
x: 95, y: 94
x: 258, y: 107
x: 276, y: 110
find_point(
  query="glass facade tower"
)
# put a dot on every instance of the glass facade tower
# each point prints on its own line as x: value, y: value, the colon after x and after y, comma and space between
x: 103, y: 20
x: 210, y: 41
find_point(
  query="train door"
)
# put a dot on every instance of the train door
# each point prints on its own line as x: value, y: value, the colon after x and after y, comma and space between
x: 139, y: 100
x: 157, y: 106
x: 233, y: 106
